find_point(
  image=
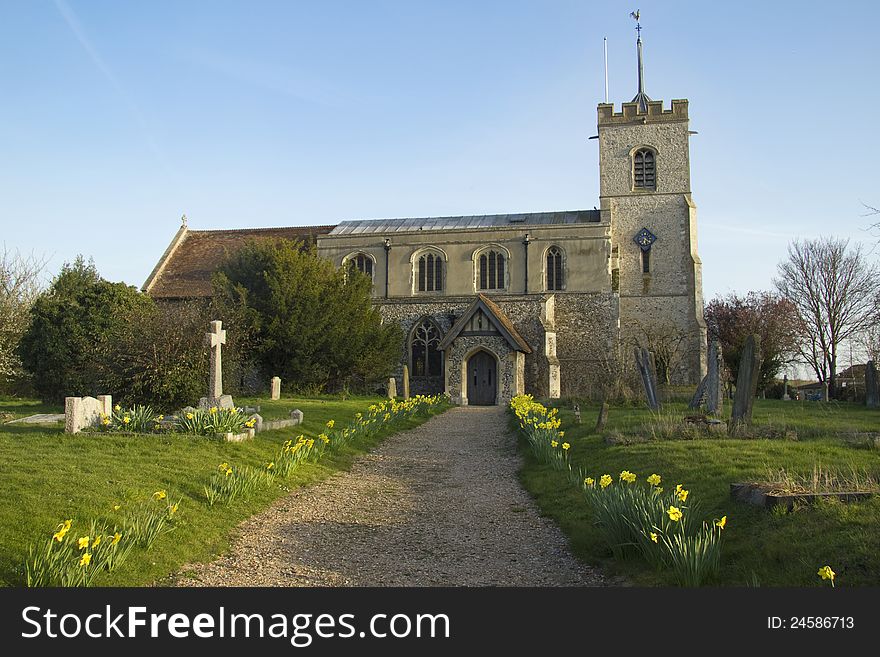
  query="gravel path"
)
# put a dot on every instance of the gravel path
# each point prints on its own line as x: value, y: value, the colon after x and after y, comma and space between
x: 439, y: 505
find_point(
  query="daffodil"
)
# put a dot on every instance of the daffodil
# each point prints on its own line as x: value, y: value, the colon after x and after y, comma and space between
x: 654, y: 536
x: 721, y: 524
x: 160, y: 495
x: 627, y: 476
x: 173, y: 509
x: 683, y: 494
x: 83, y: 542
x: 62, y: 530
x: 825, y: 572
x: 330, y: 424
x: 589, y: 481
x: 86, y: 559
x: 554, y: 443
x: 116, y: 537
x: 605, y: 480
x: 189, y: 416
x: 117, y: 408
x: 674, y: 513
x: 566, y: 446
x: 654, y: 480
x: 270, y: 465
x: 96, y: 542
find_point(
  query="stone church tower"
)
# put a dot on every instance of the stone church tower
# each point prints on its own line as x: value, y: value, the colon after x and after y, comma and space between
x: 645, y: 196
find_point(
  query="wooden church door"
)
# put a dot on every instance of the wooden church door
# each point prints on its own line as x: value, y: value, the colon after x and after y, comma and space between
x: 482, y: 379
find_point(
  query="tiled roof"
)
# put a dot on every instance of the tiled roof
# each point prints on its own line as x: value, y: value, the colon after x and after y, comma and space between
x: 465, y: 223
x: 186, y: 269
x: 506, y: 327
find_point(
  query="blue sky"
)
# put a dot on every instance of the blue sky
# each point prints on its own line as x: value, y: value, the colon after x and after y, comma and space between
x: 119, y: 117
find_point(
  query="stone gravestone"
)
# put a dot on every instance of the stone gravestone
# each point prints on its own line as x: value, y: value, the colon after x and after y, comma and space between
x: 216, y: 339
x: 785, y: 395
x: 392, y: 388
x: 699, y: 394
x: 714, y: 390
x: 746, y: 385
x: 648, y: 372
x: 406, y: 382
x: 297, y: 416
x: 825, y: 391
x: 872, y: 394
x: 276, y: 387
x: 85, y: 412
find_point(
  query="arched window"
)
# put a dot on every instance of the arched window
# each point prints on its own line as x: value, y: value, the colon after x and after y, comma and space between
x: 429, y: 272
x: 360, y: 262
x: 425, y: 358
x: 555, y: 275
x: 490, y: 271
x: 644, y: 169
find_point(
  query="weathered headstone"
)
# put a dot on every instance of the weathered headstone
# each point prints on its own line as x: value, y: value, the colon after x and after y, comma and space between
x: 714, y: 390
x: 276, y: 387
x: 746, y: 385
x: 577, y: 413
x: 699, y: 394
x: 215, y: 339
x: 258, y: 422
x: 648, y: 372
x: 785, y: 395
x: 392, y: 388
x: 825, y: 391
x: 85, y: 412
x: 872, y: 394
x: 297, y: 416
x: 406, y: 382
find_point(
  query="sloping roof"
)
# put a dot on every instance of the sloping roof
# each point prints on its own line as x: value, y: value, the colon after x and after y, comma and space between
x: 186, y: 268
x: 501, y: 320
x: 464, y: 223
x: 856, y: 372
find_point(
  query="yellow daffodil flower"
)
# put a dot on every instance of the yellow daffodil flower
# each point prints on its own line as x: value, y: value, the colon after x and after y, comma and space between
x: 605, y: 480
x: 627, y: 476
x: 83, y: 542
x: 721, y: 524
x: 160, y: 495
x: 683, y: 494
x: 96, y: 542
x: 654, y: 480
x: 86, y: 559
x: 330, y: 424
x: 589, y: 481
x: 116, y: 537
x: 654, y: 536
x: 674, y: 513
x: 825, y: 572
x: 566, y: 446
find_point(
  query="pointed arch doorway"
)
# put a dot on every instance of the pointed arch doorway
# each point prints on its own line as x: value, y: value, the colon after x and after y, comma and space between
x: 482, y: 381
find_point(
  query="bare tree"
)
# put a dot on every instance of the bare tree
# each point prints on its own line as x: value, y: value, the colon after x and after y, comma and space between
x: 834, y: 289
x: 666, y: 341
x: 19, y: 286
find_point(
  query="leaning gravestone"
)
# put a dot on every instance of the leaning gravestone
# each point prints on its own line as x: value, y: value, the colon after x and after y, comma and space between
x: 785, y: 395
x: 85, y: 412
x: 699, y: 394
x: 714, y: 391
x: 215, y: 339
x: 648, y: 372
x: 746, y: 385
x: 276, y: 387
x: 392, y: 388
x: 406, y: 382
x: 872, y: 394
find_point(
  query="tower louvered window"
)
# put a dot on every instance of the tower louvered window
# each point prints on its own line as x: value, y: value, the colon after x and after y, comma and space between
x: 555, y: 280
x: 491, y: 274
x: 430, y: 273
x: 644, y: 170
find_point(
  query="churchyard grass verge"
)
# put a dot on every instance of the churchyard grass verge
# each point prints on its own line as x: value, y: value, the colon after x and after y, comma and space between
x: 759, y: 547
x: 633, y: 517
x: 51, y: 477
x: 213, y: 421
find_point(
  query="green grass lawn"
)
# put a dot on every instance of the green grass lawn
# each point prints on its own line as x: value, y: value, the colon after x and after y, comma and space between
x: 49, y: 476
x: 761, y: 547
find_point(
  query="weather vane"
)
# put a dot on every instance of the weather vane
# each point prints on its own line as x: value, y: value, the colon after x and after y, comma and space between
x: 635, y: 14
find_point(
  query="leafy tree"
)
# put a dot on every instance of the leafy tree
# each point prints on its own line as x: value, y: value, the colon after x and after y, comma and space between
x: 70, y: 325
x: 834, y: 289
x: 731, y: 319
x: 19, y: 287
x: 312, y: 325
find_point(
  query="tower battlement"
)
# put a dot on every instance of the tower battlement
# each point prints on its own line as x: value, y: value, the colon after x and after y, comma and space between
x: 630, y: 113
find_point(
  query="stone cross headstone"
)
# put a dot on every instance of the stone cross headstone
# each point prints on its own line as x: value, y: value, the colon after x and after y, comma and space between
x: 85, y: 412
x: 648, y: 372
x: 714, y: 390
x: 746, y: 385
x: 785, y: 395
x: 392, y: 388
x: 406, y: 382
x: 872, y: 394
x: 276, y: 387
x: 216, y: 339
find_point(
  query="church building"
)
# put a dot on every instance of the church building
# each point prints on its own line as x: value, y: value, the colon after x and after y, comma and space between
x: 497, y: 305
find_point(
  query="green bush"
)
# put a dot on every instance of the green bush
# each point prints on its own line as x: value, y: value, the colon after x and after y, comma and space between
x: 312, y: 324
